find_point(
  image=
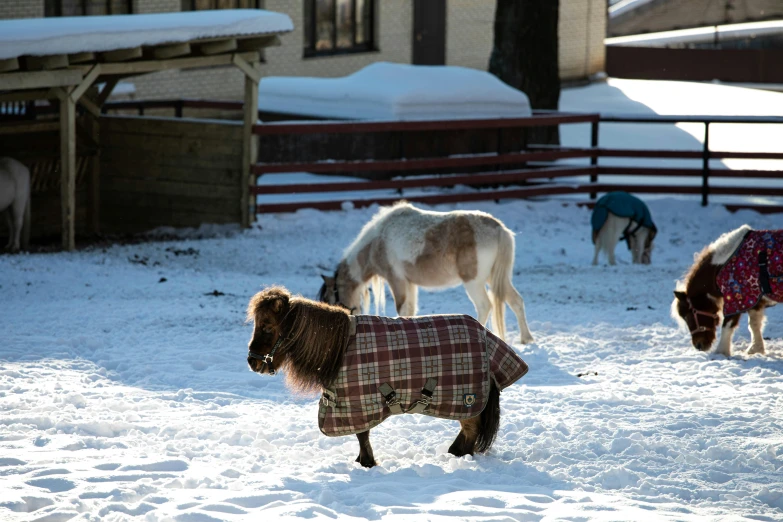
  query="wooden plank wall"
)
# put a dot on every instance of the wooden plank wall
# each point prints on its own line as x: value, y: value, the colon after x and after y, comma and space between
x: 169, y: 172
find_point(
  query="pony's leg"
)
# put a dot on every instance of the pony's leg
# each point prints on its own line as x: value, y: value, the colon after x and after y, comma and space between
x: 517, y: 305
x: 17, y: 212
x: 411, y: 305
x: 726, y: 333
x: 365, y: 458
x: 597, y: 249
x: 756, y: 326
x: 10, y: 222
x: 478, y: 433
x: 477, y: 293
x: 466, y: 440
x: 399, y: 290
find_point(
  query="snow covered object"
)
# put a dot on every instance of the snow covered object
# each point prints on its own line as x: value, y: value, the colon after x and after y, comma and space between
x: 753, y: 271
x: 438, y: 365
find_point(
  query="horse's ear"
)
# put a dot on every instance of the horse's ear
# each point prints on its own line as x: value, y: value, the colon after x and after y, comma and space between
x: 328, y: 280
x: 682, y: 296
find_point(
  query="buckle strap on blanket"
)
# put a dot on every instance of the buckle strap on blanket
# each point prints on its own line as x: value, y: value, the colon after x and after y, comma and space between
x: 329, y: 398
x: 426, y: 396
x: 418, y: 407
x: 764, y: 273
x: 391, y: 398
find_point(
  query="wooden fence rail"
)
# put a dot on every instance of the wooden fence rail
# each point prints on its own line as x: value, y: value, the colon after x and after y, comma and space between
x: 500, y: 168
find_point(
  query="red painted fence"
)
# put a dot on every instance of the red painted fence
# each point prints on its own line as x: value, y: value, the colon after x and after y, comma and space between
x: 536, y: 179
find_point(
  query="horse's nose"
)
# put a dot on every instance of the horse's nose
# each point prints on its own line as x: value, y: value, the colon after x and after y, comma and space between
x: 698, y: 345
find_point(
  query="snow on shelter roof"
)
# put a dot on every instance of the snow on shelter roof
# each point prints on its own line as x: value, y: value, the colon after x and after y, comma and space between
x: 393, y: 91
x: 69, y: 35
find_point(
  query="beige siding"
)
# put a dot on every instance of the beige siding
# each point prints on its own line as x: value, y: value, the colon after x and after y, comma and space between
x: 581, y: 30
x: 469, y: 33
x: 21, y: 9
x: 582, y: 27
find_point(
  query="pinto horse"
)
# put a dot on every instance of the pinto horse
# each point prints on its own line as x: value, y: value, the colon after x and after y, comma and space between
x: 741, y: 271
x: 408, y: 247
x: 369, y: 368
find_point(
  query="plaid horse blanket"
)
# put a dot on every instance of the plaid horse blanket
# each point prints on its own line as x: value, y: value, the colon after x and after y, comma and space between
x: 753, y: 271
x: 438, y: 365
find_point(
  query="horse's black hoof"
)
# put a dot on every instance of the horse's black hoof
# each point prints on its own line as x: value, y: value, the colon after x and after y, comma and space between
x: 366, y: 462
x: 458, y: 450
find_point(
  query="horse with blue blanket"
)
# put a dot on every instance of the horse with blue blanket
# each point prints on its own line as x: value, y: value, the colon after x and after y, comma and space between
x: 620, y: 216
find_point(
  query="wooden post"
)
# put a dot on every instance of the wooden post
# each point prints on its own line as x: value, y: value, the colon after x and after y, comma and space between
x: 95, y: 175
x: 249, y: 148
x: 68, y: 170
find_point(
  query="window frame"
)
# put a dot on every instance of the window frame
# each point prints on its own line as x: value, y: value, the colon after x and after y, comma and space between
x: 259, y: 4
x: 311, y: 31
x: 58, y: 8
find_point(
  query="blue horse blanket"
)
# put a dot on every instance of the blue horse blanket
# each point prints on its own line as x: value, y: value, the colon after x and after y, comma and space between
x: 621, y: 204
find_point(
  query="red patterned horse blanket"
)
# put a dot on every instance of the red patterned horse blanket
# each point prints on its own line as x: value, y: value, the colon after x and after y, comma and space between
x: 438, y: 365
x: 753, y: 271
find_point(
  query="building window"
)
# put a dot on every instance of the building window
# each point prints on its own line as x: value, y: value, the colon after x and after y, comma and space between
x: 201, y: 5
x: 339, y: 26
x: 87, y: 7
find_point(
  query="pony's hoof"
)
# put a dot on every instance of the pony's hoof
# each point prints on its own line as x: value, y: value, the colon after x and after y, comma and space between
x: 526, y: 339
x: 366, y: 462
x: 756, y: 349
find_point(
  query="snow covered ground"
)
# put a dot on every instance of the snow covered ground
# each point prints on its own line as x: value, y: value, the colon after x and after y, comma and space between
x: 125, y: 394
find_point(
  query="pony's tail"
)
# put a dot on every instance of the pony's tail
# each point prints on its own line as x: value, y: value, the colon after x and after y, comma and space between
x: 489, y: 420
x: 500, y: 280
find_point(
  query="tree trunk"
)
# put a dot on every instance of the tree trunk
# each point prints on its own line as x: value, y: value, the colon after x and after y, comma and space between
x: 524, y: 55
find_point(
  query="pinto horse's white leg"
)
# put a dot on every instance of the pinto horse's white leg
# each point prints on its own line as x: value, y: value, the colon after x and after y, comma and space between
x: 517, y: 305
x: 597, y: 250
x: 399, y: 290
x: 756, y: 319
x: 726, y: 334
x: 477, y: 293
x: 410, y: 307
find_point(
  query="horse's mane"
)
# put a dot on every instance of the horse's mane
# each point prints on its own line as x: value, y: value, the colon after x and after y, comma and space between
x: 370, y: 229
x: 715, y: 254
x: 317, y: 336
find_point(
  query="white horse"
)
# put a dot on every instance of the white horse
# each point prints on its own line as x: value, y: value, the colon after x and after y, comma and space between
x: 408, y: 247
x: 640, y: 242
x: 14, y: 199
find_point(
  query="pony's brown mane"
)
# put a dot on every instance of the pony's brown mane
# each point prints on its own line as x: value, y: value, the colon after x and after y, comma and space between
x: 701, y: 275
x: 316, y: 336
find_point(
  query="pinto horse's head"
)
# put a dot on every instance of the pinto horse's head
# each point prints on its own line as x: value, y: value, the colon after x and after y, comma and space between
x: 700, y: 314
x: 268, y: 310
x: 341, y: 289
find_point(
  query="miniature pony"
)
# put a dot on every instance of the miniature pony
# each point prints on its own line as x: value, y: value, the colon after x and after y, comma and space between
x: 14, y: 200
x: 409, y: 247
x: 742, y: 271
x: 619, y: 216
x: 370, y: 368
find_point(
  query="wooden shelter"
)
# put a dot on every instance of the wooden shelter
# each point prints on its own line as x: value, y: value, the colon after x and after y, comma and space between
x: 60, y: 59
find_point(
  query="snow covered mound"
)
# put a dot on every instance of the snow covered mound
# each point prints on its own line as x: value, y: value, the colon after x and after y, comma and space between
x: 393, y: 91
x: 43, y: 36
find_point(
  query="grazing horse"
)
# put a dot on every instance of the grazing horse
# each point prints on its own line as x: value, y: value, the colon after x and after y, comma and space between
x: 409, y: 247
x: 620, y: 216
x: 369, y: 368
x: 15, y: 200
x: 741, y: 271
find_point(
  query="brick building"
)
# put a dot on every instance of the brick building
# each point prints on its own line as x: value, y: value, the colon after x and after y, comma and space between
x: 337, y: 42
